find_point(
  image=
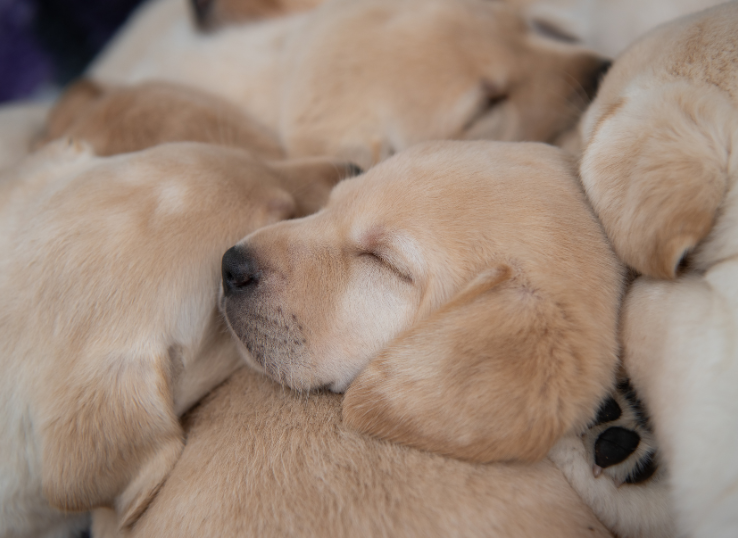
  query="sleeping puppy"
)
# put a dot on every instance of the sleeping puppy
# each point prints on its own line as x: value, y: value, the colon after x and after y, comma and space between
x: 261, y: 461
x: 109, y: 327
x: 362, y: 80
x: 660, y: 167
x: 123, y: 119
x: 471, y: 277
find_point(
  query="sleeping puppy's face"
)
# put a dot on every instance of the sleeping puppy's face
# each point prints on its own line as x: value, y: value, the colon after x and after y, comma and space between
x: 660, y: 158
x: 450, y: 262
x: 369, y: 79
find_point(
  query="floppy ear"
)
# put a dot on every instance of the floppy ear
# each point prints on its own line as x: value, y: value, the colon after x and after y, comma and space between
x: 70, y: 107
x: 656, y: 172
x: 499, y: 373
x: 111, y: 439
x: 310, y: 180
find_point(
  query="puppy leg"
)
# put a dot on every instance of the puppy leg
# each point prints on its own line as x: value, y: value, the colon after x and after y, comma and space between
x: 499, y: 373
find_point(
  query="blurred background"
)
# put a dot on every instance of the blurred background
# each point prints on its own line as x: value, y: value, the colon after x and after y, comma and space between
x: 45, y: 44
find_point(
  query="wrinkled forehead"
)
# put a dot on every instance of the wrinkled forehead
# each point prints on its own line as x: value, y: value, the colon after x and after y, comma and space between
x: 442, y: 187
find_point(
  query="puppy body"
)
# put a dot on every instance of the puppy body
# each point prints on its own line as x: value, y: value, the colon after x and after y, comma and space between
x: 362, y: 80
x: 260, y: 461
x: 109, y: 327
x: 661, y: 167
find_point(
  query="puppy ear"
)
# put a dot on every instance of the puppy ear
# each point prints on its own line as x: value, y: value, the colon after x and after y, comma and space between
x: 70, y: 107
x: 656, y: 171
x: 310, y: 180
x: 111, y: 439
x: 501, y: 372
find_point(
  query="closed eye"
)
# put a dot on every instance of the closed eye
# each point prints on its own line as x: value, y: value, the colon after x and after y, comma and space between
x: 386, y: 264
x: 492, y: 100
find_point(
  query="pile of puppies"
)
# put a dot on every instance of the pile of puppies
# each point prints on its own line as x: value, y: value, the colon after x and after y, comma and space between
x: 485, y: 302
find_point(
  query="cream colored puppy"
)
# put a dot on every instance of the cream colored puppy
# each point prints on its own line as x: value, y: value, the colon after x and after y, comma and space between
x: 471, y: 277
x: 362, y: 80
x: 109, y: 327
x: 266, y: 462
x: 660, y: 166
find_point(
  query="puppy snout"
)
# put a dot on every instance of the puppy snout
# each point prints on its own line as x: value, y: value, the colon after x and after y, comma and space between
x: 240, y: 271
x: 202, y: 9
x: 596, y: 77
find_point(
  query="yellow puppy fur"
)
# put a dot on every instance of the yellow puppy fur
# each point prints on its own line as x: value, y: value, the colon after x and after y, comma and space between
x: 122, y: 119
x: 660, y: 165
x: 109, y: 327
x: 471, y: 277
x: 266, y: 462
x: 362, y: 80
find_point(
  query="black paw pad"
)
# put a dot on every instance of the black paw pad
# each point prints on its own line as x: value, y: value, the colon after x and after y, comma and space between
x: 608, y: 411
x: 614, y: 445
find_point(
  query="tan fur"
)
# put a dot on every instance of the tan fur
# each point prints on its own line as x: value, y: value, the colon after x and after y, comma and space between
x: 484, y: 264
x: 659, y: 139
x: 109, y: 317
x: 266, y: 462
x: 123, y: 119
x: 362, y: 80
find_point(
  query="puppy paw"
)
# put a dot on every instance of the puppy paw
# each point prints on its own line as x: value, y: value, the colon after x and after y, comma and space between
x: 614, y: 467
x: 620, y: 440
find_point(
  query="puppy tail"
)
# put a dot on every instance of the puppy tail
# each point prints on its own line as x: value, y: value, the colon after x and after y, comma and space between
x: 657, y: 169
x: 499, y: 373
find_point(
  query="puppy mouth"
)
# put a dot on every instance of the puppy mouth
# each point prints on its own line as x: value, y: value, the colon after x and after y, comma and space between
x: 275, y: 340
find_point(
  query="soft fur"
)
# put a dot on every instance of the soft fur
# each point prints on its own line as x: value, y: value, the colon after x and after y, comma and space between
x: 109, y: 327
x: 362, y: 80
x: 266, y: 462
x: 122, y: 119
x: 660, y: 165
x: 211, y: 14
x: 474, y: 279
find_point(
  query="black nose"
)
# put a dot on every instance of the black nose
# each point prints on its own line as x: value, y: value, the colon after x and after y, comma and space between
x: 596, y: 78
x: 239, y: 270
x: 202, y: 9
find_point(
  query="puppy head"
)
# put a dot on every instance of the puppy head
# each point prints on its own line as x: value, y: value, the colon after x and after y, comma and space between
x: 464, y: 253
x: 658, y: 157
x: 367, y: 79
x: 115, y: 290
x: 212, y: 14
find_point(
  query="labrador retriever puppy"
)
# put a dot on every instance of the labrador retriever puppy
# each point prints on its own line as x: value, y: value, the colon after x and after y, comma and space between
x: 660, y: 166
x: 122, y: 119
x: 261, y: 461
x: 109, y: 328
x: 473, y: 280
x: 361, y: 80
